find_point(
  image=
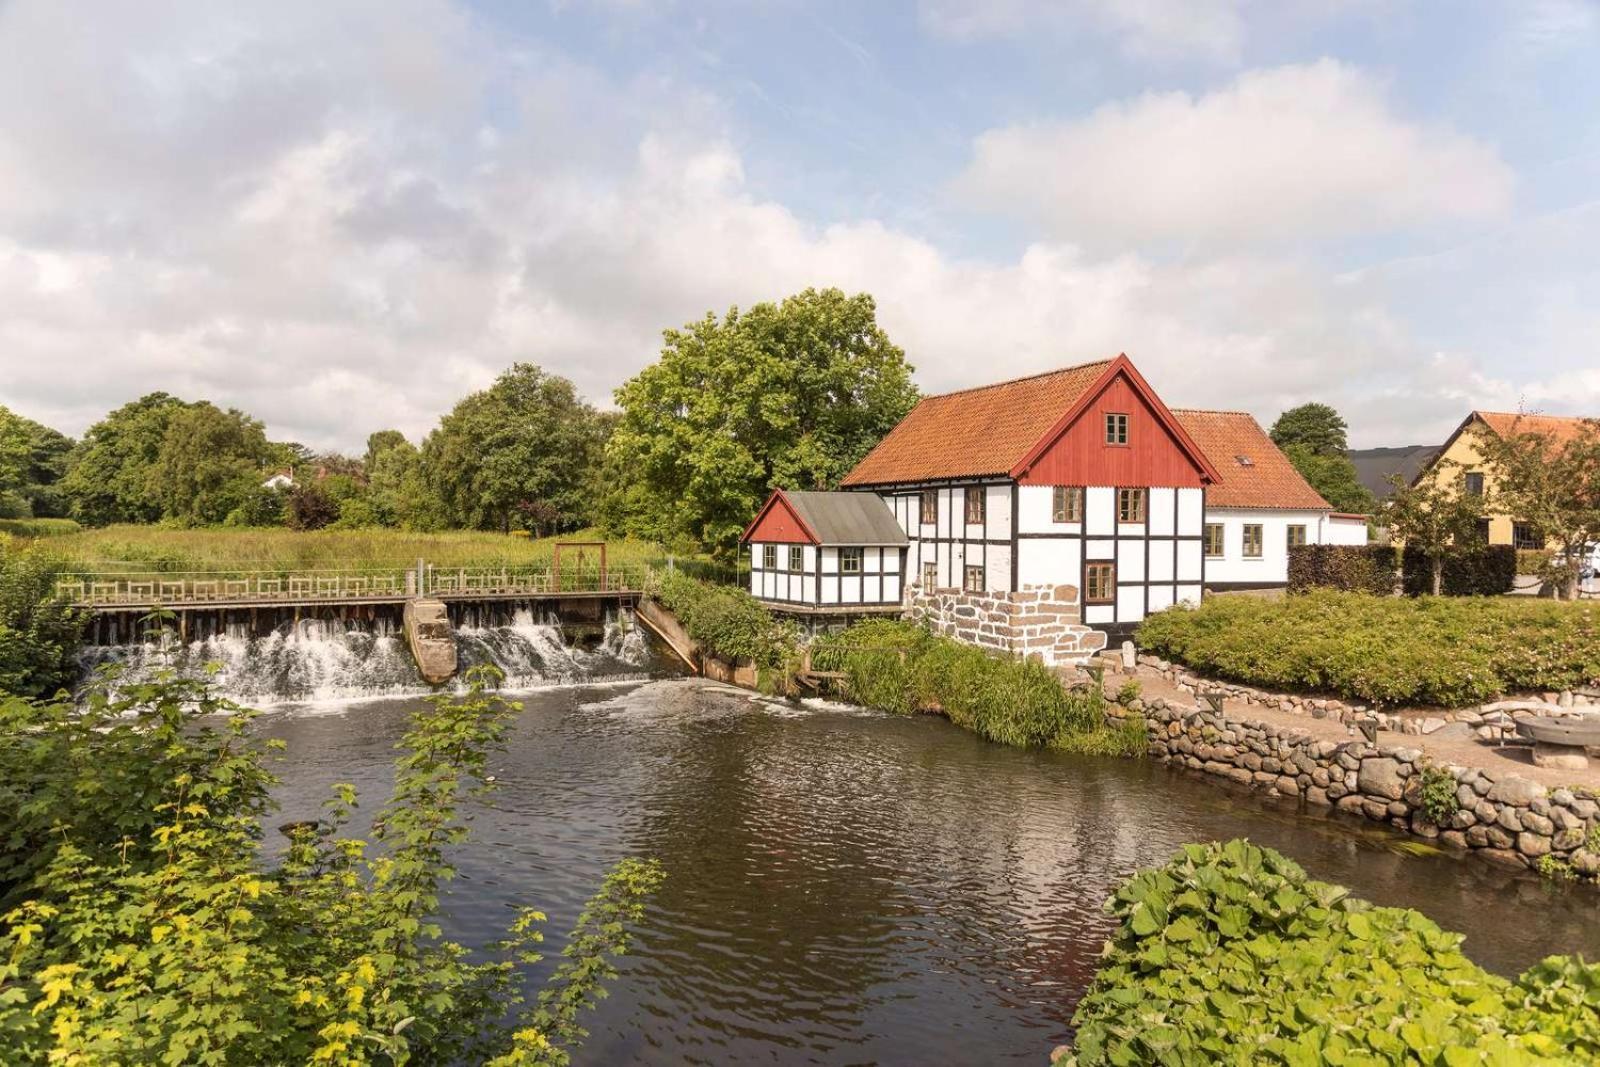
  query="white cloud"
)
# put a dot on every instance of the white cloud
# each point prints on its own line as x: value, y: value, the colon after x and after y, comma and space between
x: 1277, y: 156
x: 272, y: 214
x: 1210, y: 28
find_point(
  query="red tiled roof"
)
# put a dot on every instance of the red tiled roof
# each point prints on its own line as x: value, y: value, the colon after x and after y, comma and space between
x: 1559, y: 428
x: 1269, y: 480
x: 975, y: 432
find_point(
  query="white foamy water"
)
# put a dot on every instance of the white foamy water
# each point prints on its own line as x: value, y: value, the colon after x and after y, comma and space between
x: 323, y: 661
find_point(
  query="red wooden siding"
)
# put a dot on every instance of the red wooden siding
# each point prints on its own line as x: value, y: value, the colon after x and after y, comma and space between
x: 1080, y: 456
x: 778, y: 522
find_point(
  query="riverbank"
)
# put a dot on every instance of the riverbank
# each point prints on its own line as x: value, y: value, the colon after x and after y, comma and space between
x: 1487, y: 800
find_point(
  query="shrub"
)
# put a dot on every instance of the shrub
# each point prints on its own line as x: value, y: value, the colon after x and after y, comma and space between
x: 143, y: 924
x: 728, y: 622
x: 39, y: 634
x: 1439, y: 800
x: 1484, y: 570
x: 1353, y: 568
x: 1385, y: 650
x: 902, y: 667
x: 1230, y: 953
x: 1534, y: 560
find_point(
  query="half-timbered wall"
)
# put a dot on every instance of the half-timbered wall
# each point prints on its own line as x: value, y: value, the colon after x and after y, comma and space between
x: 820, y: 580
x: 783, y: 584
x: 950, y: 542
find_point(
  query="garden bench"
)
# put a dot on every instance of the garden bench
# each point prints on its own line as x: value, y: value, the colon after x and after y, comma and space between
x: 1563, y: 742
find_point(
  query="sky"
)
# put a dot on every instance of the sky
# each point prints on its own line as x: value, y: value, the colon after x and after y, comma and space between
x: 342, y: 217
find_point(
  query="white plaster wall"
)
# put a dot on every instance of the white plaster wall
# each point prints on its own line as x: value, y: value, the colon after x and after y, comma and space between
x: 997, y: 568
x: 1162, y: 511
x: 1049, y: 561
x: 1340, y: 531
x: 997, y: 502
x: 1100, y: 509
x: 1272, y: 568
x: 1191, y: 512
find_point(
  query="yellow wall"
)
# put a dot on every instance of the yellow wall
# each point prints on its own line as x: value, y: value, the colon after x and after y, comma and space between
x: 1464, y: 452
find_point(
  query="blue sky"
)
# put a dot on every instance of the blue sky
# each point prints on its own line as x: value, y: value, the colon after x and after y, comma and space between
x: 342, y: 217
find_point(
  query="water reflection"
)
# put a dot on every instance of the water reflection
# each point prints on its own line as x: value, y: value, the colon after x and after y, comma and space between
x: 847, y: 887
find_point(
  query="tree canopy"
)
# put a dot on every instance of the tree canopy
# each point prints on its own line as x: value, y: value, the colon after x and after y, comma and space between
x: 786, y: 395
x: 519, y: 452
x: 1313, y: 436
x: 1552, y: 485
x: 109, y: 476
x: 33, y: 460
x: 209, y: 462
x: 1436, y: 515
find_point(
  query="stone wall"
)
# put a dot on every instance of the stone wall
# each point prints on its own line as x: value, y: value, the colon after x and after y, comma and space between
x: 1493, y: 721
x: 1510, y: 820
x: 1038, y: 621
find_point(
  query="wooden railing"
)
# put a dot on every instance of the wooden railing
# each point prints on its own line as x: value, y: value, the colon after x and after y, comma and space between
x: 110, y: 589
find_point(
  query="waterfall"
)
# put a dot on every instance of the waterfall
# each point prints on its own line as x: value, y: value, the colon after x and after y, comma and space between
x: 320, y: 660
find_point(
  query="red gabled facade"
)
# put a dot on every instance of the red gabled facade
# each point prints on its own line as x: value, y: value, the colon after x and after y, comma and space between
x: 779, y: 523
x: 1075, y: 452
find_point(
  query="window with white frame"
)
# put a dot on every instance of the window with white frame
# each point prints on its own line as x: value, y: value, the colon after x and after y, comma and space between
x: 1252, y: 540
x: 850, y: 560
x: 769, y: 557
x: 974, y: 580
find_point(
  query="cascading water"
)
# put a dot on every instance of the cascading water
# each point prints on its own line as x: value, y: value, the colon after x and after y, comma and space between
x: 316, y: 660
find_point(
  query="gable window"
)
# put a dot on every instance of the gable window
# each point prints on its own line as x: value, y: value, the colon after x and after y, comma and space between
x: 1130, y: 505
x: 974, y: 582
x: 1214, y: 540
x: 796, y: 559
x: 1524, y: 535
x: 930, y: 506
x: 975, y: 504
x: 1252, y: 540
x: 1472, y: 481
x: 850, y: 560
x: 1297, y: 535
x: 1116, y: 429
x: 769, y: 557
x: 1066, y: 504
x: 1099, y: 583
x: 930, y: 576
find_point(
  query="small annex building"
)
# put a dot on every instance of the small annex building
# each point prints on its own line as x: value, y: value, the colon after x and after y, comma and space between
x: 827, y: 554
x: 1260, y: 506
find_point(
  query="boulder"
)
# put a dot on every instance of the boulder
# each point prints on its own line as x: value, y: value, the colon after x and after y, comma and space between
x: 1380, y: 777
x: 1534, y: 845
x: 1514, y: 789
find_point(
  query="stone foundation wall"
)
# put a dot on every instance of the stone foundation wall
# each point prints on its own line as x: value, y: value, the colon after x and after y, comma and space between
x: 1040, y: 621
x: 1493, y: 721
x: 1510, y: 820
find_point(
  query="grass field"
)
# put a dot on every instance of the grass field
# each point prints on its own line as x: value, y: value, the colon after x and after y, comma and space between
x: 38, y: 527
x: 147, y: 549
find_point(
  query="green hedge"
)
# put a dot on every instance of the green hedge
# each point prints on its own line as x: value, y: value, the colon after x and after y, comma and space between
x: 902, y: 667
x: 1486, y: 570
x: 728, y: 622
x: 1354, y: 568
x: 1231, y: 954
x: 1385, y: 650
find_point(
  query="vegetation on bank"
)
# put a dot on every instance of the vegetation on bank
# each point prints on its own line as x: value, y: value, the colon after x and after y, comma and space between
x: 39, y: 635
x: 1230, y: 954
x: 1385, y: 650
x: 140, y: 921
x: 904, y: 668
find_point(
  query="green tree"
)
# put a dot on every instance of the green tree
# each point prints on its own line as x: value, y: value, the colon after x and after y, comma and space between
x: 39, y: 634
x: 1554, y: 486
x: 33, y: 460
x: 1437, y: 516
x: 527, y: 444
x: 1313, y: 436
x: 395, y: 487
x: 791, y: 395
x: 379, y: 443
x: 209, y: 462
x: 108, y: 477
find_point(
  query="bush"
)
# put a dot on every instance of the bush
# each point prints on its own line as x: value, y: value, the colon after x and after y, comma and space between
x: 39, y: 634
x: 142, y: 922
x: 1484, y: 570
x: 1385, y: 650
x: 38, y: 527
x: 902, y: 667
x: 1534, y: 560
x: 727, y: 622
x: 1231, y: 954
x: 1353, y: 568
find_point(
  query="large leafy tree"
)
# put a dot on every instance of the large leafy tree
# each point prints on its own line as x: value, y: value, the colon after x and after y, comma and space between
x: 209, y: 462
x: 33, y: 460
x: 523, y: 447
x: 791, y: 395
x: 1555, y: 486
x: 395, y: 487
x: 1314, y: 437
x: 108, y: 479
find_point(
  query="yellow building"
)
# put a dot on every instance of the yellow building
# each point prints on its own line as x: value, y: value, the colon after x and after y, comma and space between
x: 1461, y: 458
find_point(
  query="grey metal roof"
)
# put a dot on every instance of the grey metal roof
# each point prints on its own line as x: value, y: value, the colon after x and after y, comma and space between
x: 848, y: 518
x: 1375, y: 465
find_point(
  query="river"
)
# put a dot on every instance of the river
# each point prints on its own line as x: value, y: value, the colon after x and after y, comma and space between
x: 848, y: 887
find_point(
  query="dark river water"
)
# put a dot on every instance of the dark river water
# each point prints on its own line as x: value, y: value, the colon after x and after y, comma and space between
x: 847, y: 887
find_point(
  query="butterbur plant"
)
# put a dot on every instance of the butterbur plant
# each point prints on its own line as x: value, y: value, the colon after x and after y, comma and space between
x: 142, y: 924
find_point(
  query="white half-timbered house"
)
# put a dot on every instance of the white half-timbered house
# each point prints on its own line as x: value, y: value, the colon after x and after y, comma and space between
x: 827, y: 553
